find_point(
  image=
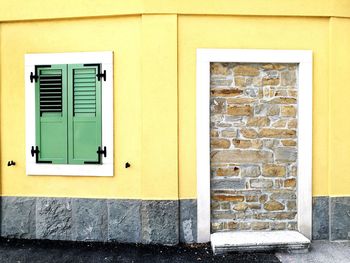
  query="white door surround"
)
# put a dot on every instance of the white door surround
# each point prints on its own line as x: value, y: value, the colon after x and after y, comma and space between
x: 304, y: 183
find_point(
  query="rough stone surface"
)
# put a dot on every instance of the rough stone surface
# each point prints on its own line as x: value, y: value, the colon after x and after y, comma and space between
x: 250, y: 171
x: 54, y: 218
x: 231, y: 171
x: 188, y: 221
x: 320, y: 217
x: 253, y: 146
x: 227, y: 183
x: 90, y: 219
x: 124, y: 221
x: 273, y: 206
x: 18, y: 217
x: 340, y: 218
x: 239, y: 156
x: 273, y: 170
x: 286, y: 155
x: 220, y: 143
x: 160, y: 222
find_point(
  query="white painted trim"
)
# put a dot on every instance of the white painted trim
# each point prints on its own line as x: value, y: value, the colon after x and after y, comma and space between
x: 106, y: 59
x: 304, y: 188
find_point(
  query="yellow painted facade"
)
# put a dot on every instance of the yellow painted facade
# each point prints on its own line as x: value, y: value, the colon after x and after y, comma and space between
x: 154, y: 44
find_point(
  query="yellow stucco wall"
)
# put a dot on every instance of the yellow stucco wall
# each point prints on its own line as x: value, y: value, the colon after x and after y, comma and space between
x: 121, y: 35
x: 339, y: 168
x: 154, y: 44
x: 259, y: 33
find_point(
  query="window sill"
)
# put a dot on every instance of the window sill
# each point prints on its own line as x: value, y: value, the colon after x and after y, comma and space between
x: 105, y: 169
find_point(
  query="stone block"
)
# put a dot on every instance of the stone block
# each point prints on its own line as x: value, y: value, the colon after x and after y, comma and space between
x: 217, y: 106
x: 293, y: 124
x: 214, y: 133
x: 249, y: 133
x: 240, y: 100
x: 279, y: 124
x: 220, y: 81
x: 285, y: 155
x: 261, y: 183
x: 259, y: 225
x: 320, y: 217
x: 290, y: 182
x: 188, y: 221
x: 231, y: 171
x: 90, y: 219
x: 273, y: 206
x: 245, y: 70
x: 288, y: 78
x: 288, y: 111
x: 219, y: 69
x: 289, y: 143
x: 278, y: 225
x: 270, y: 81
x: 277, y: 133
x: 243, y: 144
x: 241, y: 156
x: 283, y: 194
x: 227, y: 184
x: 54, y: 218
x: 250, y: 171
x: 244, y: 110
x: 229, y: 198
x: 229, y: 133
x: 18, y: 217
x: 258, y: 121
x: 291, y: 205
x: 340, y: 218
x: 274, y: 170
x: 240, y: 207
x: 225, y: 92
x: 251, y: 198
x: 283, y: 100
x: 160, y: 222
x: 124, y: 220
x: 267, y: 110
x: 217, y: 143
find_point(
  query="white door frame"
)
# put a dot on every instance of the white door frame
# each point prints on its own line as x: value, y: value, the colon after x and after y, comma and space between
x: 304, y: 186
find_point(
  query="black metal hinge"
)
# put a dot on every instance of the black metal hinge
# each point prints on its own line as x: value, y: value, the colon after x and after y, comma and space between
x: 99, y: 153
x: 100, y: 74
x: 33, y: 77
x: 36, y: 153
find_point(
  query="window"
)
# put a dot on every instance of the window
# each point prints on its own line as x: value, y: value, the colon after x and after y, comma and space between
x: 69, y: 114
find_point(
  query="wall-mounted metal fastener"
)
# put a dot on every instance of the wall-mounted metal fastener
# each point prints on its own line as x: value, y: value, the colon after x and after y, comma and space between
x: 127, y: 165
x: 11, y: 163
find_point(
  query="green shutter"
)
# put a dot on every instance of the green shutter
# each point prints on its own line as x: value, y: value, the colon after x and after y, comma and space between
x: 84, y: 114
x: 51, y: 113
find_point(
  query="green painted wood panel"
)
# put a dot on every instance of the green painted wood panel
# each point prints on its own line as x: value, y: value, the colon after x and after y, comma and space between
x: 51, y: 113
x: 84, y: 114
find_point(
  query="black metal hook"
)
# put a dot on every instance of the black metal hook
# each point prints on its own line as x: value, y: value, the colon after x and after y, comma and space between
x: 127, y: 165
x: 11, y: 163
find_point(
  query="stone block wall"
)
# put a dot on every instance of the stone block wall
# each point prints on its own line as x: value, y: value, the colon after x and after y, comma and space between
x: 253, y: 146
x: 166, y: 222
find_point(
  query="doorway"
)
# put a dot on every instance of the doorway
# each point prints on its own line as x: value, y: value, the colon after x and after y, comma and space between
x: 256, y: 177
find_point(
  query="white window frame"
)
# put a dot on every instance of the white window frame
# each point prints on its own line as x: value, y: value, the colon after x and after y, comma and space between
x: 304, y: 186
x: 104, y: 58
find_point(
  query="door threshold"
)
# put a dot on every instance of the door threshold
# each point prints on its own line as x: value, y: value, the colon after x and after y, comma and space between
x: 238, y: 241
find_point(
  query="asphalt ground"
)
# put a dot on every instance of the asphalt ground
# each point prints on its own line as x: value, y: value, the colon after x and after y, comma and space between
x: 34, y: 251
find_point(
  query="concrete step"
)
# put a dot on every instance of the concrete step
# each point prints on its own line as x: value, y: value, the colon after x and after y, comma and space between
x: 259, y: 241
